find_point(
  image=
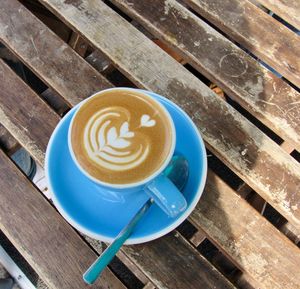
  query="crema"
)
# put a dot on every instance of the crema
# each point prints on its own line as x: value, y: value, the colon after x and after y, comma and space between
x: 121, y: 136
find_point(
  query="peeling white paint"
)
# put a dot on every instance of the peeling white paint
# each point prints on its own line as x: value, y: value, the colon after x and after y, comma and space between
x: 168, y: 5
x: 244, y: 152
x: 294, y: 207
x: 254, y: 89
x: 197, y: 43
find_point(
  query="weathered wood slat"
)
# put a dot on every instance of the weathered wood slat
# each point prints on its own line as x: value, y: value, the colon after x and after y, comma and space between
x: 46, y: 54
x: 184, y: 262
x: 259, y: 91
x: 212, y: 220
x: 247, y: 238
x: 177, y: 264
x: 23, y: 127
x: 41, y: 235
x: 54, y: 24
x: 23, y: 55
x: 133, y: 268
x: 243, y: 147
x: 261, y: 34
x: 38, y: 127
x: 221, y: 210
x: 289, y: 10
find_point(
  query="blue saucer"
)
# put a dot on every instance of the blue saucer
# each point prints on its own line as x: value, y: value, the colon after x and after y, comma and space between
x: 102, y: 215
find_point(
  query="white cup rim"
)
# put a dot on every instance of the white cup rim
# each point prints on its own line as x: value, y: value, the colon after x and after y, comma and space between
x: 143, y: 181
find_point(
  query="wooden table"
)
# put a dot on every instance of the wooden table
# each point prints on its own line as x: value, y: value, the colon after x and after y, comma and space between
x: 254, y: 132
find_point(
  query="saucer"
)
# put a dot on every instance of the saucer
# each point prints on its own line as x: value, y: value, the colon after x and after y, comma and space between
x: 102, y: 214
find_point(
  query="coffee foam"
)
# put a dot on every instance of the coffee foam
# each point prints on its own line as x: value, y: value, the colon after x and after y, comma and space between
x: 120, y: 137
x: 109, y: 142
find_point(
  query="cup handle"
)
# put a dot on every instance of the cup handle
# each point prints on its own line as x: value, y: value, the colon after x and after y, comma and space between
x: 166, y: 195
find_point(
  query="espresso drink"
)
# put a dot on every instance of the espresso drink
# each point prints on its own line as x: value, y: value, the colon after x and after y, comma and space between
x: 121, y: 136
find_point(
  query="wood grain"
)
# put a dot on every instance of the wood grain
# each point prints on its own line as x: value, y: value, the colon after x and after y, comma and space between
x: 252, y: 243
x: 46, y: 17
x: 41, y: 235
x: 216, y: 215
x: 29, y: 126
x: 184, y: 261
x: 257, y: 31
x: 267, y: 97
x: 289, y: 10
x: 243, y: 147
x: 220, y: 211
x: 36, y: 129
x: 46, y: 54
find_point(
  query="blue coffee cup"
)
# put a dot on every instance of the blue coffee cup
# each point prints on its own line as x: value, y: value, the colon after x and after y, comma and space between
x: 157, y: 185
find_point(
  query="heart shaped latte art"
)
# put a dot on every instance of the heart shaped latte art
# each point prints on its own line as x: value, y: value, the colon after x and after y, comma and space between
x: 110, y: 143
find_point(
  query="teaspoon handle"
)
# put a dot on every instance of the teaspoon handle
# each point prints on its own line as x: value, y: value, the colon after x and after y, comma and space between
x: 98, y: 266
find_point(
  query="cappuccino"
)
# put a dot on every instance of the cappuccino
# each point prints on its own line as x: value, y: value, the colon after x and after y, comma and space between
x: 121, y: 136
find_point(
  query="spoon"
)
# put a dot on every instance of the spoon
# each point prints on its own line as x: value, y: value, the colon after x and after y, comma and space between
x: 177, y: 172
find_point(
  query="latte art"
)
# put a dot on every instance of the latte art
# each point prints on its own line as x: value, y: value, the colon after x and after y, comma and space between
x: 109, y: 142
x: 121, y: 136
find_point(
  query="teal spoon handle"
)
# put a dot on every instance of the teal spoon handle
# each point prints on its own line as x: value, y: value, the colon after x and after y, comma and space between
x: 177, y: 172
x: 98, y: 266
